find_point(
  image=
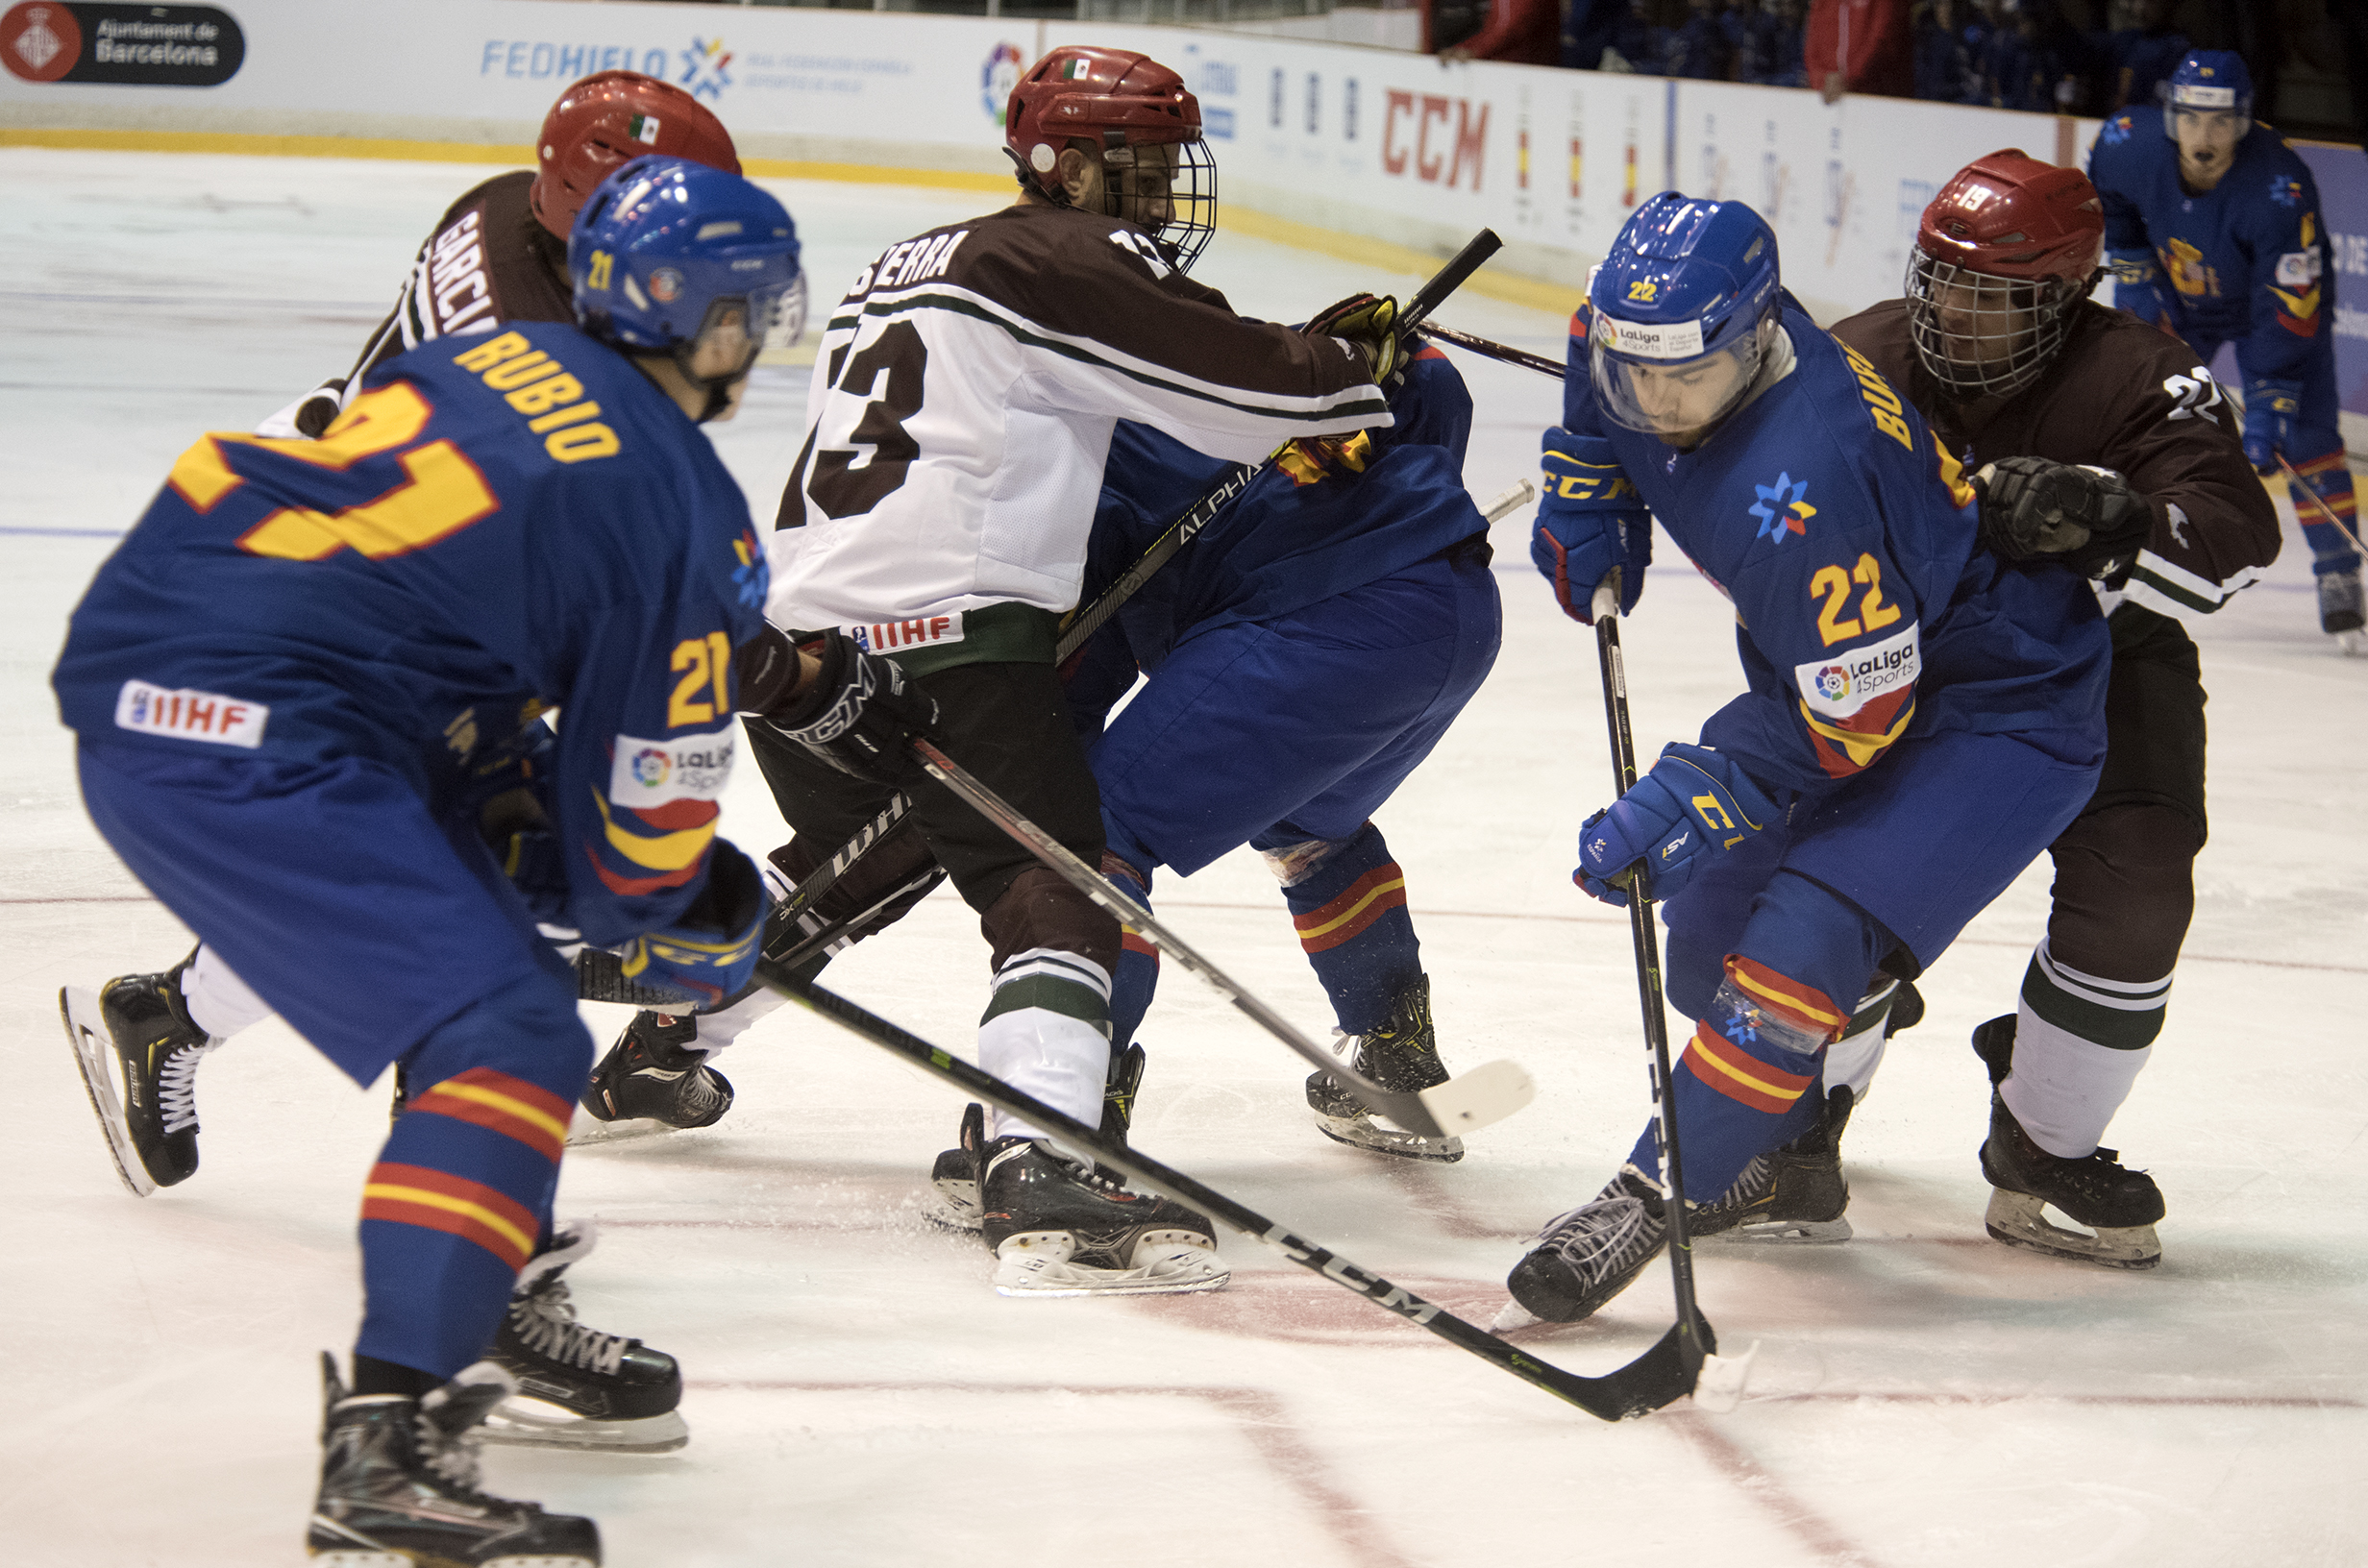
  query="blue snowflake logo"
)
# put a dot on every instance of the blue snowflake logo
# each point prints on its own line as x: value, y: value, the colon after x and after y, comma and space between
x: 1742, y: 1026
x: 703, y: 70
x: 2117, y: 130
x: 753, y: 577
x: 1779, y: 508
x: 2285, y: 191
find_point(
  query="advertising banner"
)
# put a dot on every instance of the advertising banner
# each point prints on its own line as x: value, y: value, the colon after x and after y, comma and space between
x: 2342, y: 177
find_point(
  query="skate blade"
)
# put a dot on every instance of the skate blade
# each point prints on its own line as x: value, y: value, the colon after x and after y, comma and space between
x: 94, y: 1053
x: 1365, y: 1133
x: 951, y: 1206
x: 1043, y: 1263
x: 2351, y: 645
x: 1787, y: 1232
x: 1718, y: 1388
x: 526, y: 1422
x: 585, y: 1130
x: 2015, y: 1218
x: 1469, y: 1101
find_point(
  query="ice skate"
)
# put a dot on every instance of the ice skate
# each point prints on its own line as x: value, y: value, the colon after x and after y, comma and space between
x: 2341, y: 614
x: 399, y: 1486
x: 1402, y: 1055
x: 1797, y: 1193
x: 650, y: 1080
x: 2119, y: 1205
x: 1585, y: 1257
x: 135, y: 1032
x: 1060, y: 1229
x: 579, y: 1388
x: 952, y: 1199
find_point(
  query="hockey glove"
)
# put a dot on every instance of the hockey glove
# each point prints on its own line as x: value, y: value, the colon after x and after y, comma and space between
x: 859, y: 712
x: 2271, y: 405
x: 1372, y: 324
x: 709, y: 952
x: 1693, y: 806
x: 2035, y: 512
x: 2137, y: 289
x: 1591, y: 523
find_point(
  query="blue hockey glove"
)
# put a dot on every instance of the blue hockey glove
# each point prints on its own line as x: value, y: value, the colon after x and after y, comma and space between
x: 2271, y: 406
x: 1591, y: 522
x: 709, y: 952
x: 2137, y: 289
x: 1692, y: 802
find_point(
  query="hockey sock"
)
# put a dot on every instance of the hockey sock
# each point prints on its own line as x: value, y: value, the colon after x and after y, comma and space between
x: 1047, y: 1032
x: 1850, y: 1062
x: 371, y: 1376
x: 720, y: 1027
x: 1137, y: 980
x: 2079, y: 1042
x: 1740, y: 1088
x: 218, y: 1001
x: 2330, y: 479
x: 461, y: 1192
x: 1347, y: 900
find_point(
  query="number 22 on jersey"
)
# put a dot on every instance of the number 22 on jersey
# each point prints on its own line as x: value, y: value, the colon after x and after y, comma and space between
x: 1833, y: 585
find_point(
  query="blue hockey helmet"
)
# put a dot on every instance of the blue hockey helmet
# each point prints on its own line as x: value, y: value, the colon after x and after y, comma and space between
x: 1681, y: 313
x: 673, y: 256
x: 2213, y: 87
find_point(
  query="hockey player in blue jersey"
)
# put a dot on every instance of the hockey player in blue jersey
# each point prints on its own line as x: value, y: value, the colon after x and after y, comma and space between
x: 306, y: 692
x: 2213, y: 232
x: 1920, y: 719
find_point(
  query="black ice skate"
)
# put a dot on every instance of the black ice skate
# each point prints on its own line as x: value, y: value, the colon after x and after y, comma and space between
x: 1794, y: 1193
x: 1060, y: 1229
x: 579, y: 1388
x: 2120, y: 1205
x: 650, y: 1075
x: 2340, y: 608
x: 137, y: 1032
x: 1585, y: 1257
x: 1402, y: 1055
x: 398, y: 1485
x: 953, y: 1179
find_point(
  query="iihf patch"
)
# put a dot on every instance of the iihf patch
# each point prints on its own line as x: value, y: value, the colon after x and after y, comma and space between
x: 665, y: 285
x: 191, y: 716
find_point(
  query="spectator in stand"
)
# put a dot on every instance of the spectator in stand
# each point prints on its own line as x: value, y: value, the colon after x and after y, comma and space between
x: 1699, y: 51
x: 1638, y: 43
x: 1784, y: 43
x: 2141, y: 54
x: 1944, y: 61
x: 1587, y: 27
x: 2034, y: 62
x: 1742, y: 24
x: 1859, y: 46
x: 1522, y: 32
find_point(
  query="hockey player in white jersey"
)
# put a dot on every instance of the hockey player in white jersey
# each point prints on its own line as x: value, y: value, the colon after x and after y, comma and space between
x: 934, y: 530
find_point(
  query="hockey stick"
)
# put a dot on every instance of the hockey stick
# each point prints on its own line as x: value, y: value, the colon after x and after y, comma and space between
x: 2297, y: 482
x: 1463, y: 1104
x: 1654, y: 1378
x: 1486, y: 350
x: 1695, y: 1340
x: 1081, y: 624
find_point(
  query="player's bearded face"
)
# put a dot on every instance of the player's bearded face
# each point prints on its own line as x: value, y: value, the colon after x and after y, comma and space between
x: 2207, y: 141
x: 1985, y: 322
x: 1144, y: 186
x: 1681, y: 400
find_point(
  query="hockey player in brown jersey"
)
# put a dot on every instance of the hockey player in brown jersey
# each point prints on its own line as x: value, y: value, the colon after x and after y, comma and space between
x: 1997, y: 344
x: 498, y: 254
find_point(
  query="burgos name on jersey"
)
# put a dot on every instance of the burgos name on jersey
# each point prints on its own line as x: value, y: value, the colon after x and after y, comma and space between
x: 1839, y: 685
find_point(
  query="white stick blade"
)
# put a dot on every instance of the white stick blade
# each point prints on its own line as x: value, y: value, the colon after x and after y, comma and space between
x: 1719, y: 1386
x: 1482, y: 1097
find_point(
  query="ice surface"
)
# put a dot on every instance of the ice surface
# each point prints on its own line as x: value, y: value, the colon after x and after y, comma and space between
x: 859, y: 1396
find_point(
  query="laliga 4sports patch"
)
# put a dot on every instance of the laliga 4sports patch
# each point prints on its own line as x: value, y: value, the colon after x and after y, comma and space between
x: 646, y: 773
x: 1840, y: 684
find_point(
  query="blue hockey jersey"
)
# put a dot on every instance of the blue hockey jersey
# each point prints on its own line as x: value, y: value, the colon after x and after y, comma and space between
x: 1299, y: 534
x: 1846, y: 537
x: 496, y: 526
x: 2250, y: 260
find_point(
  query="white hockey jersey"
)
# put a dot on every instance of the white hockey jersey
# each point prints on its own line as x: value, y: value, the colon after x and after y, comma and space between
x: 963, y: 398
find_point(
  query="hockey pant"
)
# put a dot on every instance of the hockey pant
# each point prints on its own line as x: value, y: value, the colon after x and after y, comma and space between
x: 1287, y: 735
x: 1046, y: 1025
x: 2098, y: 987
x: 1772, y: 947
x: 382, y: 935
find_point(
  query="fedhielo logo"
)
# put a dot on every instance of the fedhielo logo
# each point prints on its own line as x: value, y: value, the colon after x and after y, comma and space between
x: 997, y: 78
x: 1789, y: 515
x: 651, y: 766
x: 702, y: 68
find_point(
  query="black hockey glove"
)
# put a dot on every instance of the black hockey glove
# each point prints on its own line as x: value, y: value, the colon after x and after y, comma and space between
x: 1372, y: 324
x: 860, y: 711
x: 2035, y: 512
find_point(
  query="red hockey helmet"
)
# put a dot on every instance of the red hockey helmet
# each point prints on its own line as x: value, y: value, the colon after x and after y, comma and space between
x: 606, y: 121
x: 2004, y: 256
x: 1120, y: 102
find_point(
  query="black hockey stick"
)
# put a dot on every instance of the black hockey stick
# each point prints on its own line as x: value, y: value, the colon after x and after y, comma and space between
x: 1695, y: 1340
x: 1465, y: 1103
x: 1486, y: 350
x: 1654, y: 1378
x: 1081, y: 624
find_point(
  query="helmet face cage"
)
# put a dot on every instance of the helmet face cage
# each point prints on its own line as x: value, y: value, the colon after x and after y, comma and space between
x: 1982, y: 335
x: 1169, y: 190
x: 1673, y: 396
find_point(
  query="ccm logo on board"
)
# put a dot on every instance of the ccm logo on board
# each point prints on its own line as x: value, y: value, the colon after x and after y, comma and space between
x: 1440, y: 138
